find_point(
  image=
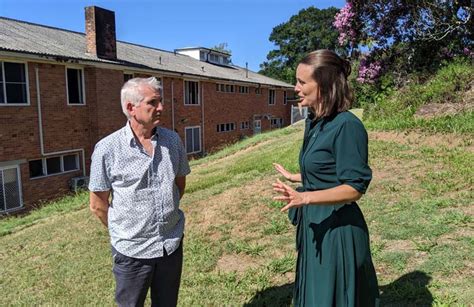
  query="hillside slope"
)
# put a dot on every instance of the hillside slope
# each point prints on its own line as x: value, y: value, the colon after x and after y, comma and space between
x: 239, y: 249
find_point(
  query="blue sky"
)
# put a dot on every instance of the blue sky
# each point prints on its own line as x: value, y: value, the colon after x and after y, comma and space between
x: 245, y: 25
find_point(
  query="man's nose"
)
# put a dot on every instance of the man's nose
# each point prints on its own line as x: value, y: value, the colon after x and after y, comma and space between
x: 159, y: 106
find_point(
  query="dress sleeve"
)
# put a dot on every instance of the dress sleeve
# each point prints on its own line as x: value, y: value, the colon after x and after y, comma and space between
x: 351, y: 153
x: 99, y: 180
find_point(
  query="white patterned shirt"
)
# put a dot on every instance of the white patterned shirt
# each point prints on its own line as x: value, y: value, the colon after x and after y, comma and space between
x: 144, y: 215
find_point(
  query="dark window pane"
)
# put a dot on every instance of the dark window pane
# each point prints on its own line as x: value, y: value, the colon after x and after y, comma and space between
x: 16, y: 93
x: 70, y: 163
x: 36, y: 168
x: 74, y: 86
x: 197, y: 143
x: 189, y: 140
x: 2, y: 97
x: 14, y: 72
x: 127, y: 77
x: 53, y: 165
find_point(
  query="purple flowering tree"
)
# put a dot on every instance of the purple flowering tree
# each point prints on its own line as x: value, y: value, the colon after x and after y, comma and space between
x: 402, y: 35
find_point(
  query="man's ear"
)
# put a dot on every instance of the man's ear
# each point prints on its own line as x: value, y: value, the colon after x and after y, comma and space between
x: 129, y: 107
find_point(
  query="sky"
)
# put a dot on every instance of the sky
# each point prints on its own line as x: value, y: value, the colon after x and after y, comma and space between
x: 245, y: 25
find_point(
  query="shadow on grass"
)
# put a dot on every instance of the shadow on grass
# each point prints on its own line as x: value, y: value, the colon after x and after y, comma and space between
x: 274, y: 296
x: 409, y: 290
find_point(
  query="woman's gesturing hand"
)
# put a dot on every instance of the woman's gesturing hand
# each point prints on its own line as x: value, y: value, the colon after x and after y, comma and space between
x: 289, y: 195
x: 279, y: 168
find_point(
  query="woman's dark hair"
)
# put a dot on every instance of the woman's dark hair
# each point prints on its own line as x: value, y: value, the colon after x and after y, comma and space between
x: 330, y: 73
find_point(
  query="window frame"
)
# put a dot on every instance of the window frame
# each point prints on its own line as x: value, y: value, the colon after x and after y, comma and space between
x: 20, y: 194
x: 198, y: 93
x: 125, y: 73
x: 222, y: 127
x: 83, y: 83
x: 271, y: 97
x: 44, y: 166
x: 4, y: 84
x: 186, y: 141
x: 278, y: 124
x: 245, y: 125
x: 244, y: 89
x: 225, y: 88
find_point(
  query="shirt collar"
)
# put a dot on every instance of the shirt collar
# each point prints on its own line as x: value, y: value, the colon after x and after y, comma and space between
x: 131, y: 137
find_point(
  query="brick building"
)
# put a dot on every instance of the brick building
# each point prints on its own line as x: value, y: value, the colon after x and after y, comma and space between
x: 60, y: 94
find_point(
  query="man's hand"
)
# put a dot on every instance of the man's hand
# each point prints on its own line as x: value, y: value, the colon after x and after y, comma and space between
x: 99, y: 205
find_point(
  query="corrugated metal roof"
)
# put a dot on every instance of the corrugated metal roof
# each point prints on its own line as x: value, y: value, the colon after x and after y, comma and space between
x: 25, y: 37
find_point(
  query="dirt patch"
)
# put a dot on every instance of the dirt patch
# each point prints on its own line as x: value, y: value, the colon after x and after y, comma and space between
x: 236, y: 263
x: 432, y: 110
x: 449, y: 140
x: 399, y: 245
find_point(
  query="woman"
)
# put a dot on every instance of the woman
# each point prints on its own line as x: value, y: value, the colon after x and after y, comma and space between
x: 334, y: 266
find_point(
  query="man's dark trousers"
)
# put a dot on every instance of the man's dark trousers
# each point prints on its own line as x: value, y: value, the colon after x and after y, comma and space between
x: 133, y: 278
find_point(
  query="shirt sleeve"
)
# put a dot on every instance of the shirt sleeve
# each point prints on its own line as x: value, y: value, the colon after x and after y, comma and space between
x: 183, y: 164
x: 351, y: 152
x: 99, y: 180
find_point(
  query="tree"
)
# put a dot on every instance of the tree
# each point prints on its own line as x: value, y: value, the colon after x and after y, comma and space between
x: 309, y: 30
x: 222, y: 47
x: 404, y: 35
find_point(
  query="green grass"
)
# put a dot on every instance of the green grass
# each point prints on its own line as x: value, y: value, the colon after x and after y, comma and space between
x: 389, y: 109
x: 239, y: 247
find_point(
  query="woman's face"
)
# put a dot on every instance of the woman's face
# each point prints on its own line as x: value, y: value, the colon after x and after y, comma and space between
x: 306, y: 87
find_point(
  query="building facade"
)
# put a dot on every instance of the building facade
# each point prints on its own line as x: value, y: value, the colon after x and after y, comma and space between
x: 60, y: 94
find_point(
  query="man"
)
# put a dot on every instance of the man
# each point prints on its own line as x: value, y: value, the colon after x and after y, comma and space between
x: 143, y: 167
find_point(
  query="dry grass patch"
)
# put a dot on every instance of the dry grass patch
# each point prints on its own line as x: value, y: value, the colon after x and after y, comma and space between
x: 449, y: 140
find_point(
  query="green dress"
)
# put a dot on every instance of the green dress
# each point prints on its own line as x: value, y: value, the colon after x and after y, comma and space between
x: 334, y: 266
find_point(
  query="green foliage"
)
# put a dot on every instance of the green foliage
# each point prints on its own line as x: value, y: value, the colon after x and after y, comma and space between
x: 385, y: 107
x: 408, y: 36
x: 309, y: 30
x: 222, y: 47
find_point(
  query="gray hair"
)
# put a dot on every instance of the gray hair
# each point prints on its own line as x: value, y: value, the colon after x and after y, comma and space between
x: 131, y: 91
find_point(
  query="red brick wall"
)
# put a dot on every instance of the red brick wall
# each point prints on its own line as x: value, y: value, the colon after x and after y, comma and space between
x: 67, y: 127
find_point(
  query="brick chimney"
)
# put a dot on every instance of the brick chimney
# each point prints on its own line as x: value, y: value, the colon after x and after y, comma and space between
x: 100, y: 33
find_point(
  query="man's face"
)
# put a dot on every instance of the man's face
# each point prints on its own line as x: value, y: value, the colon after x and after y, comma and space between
x: 148, y: 112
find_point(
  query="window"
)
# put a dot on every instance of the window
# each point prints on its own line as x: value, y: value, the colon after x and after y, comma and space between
x: 10, y: 190
x: 271, y: 97
x: 70, y: 162
x: 226, y: 127
x: 285, y: 98
x: 75, y: 86
x: 53, y: 165
x: 243, y: 89
x: 193, y: 139
x: 213, y: 57
x: 191, y: 93
x: 276, y: 122
x: 13, y: 85
x: 225, y: 88
x: 244, y: 125
x: 127, y: 77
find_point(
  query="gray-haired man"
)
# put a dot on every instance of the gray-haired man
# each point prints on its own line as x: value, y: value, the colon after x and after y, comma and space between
x: 144, y: 167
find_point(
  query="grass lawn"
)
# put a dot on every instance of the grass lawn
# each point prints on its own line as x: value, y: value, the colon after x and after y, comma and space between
x: 239, y: 249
